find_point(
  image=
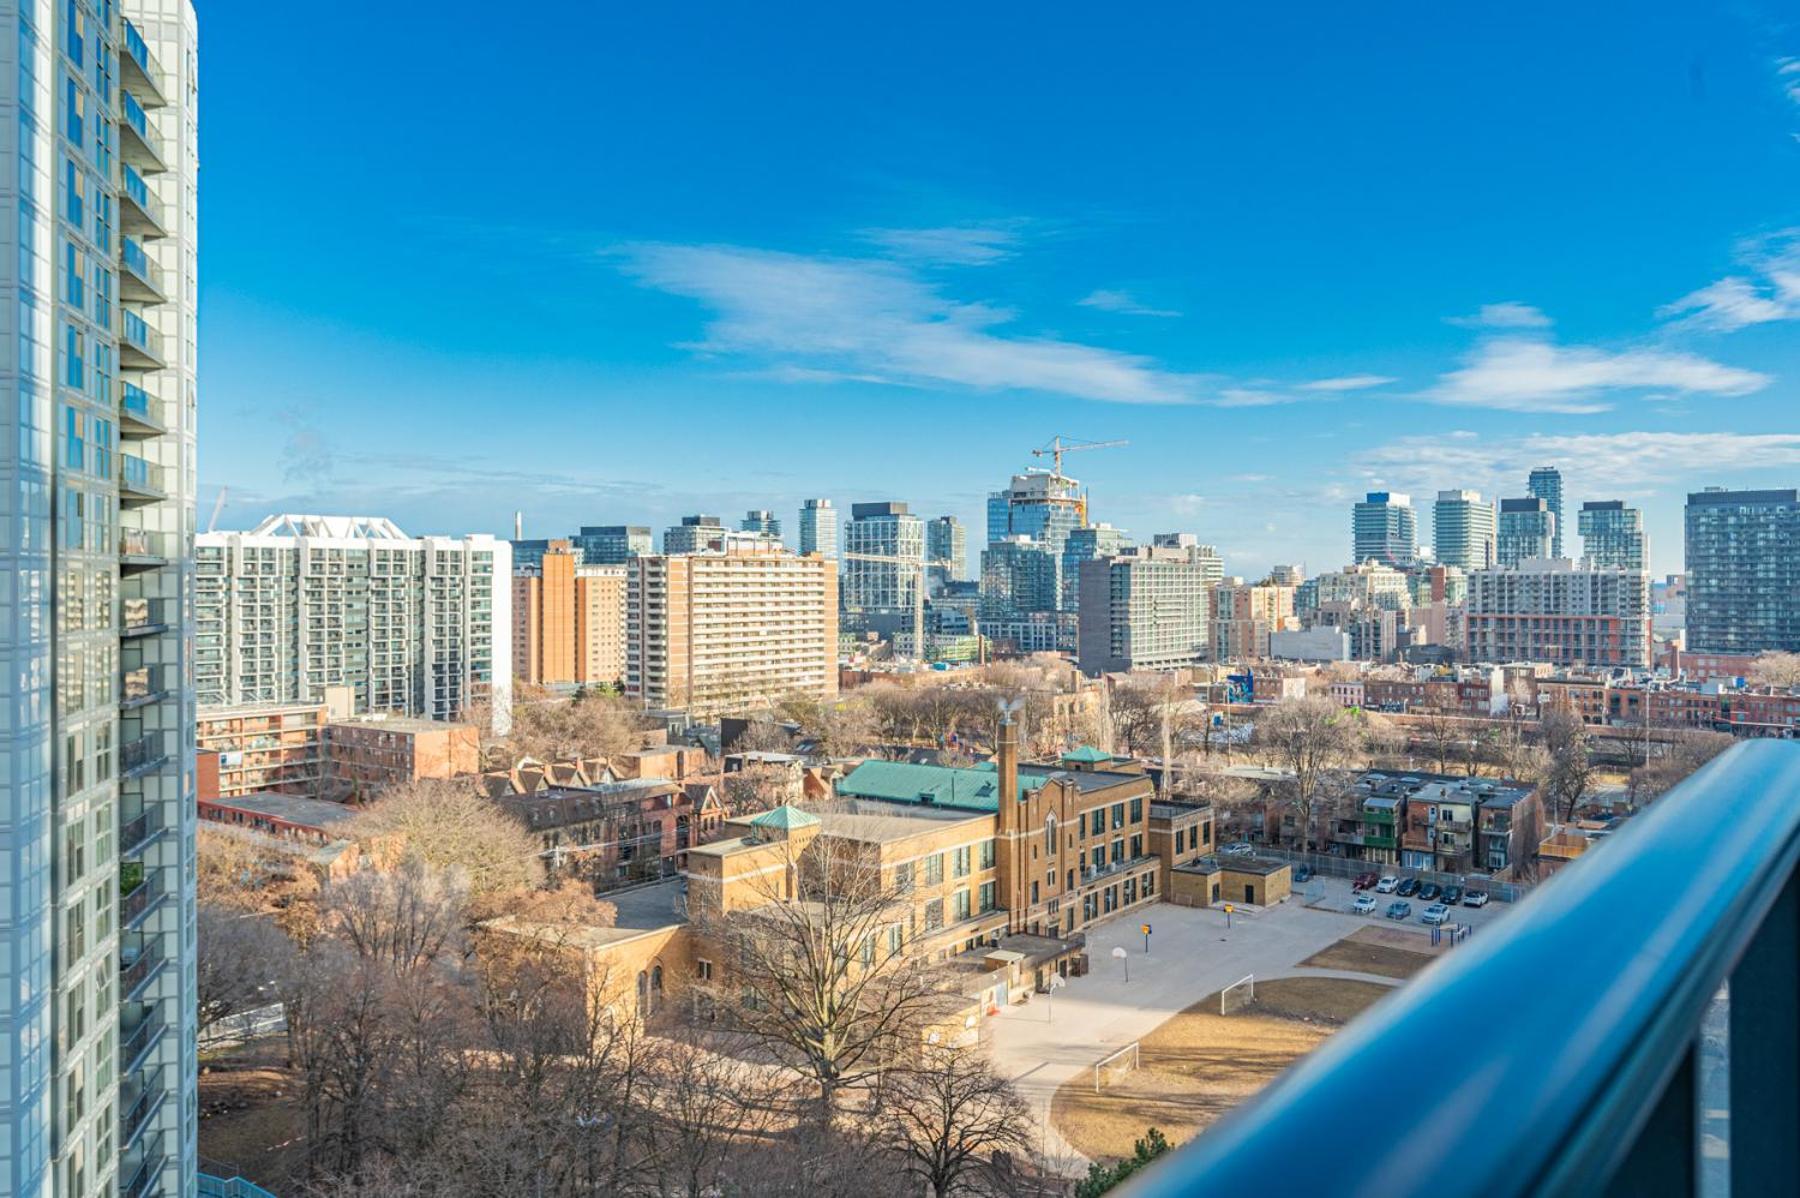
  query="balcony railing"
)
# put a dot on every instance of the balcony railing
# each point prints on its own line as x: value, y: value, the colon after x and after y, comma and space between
x: 142, y: 279
x: 139, y: 141
x: 137, y: 970
x: 138, y: 830
x: 138, y: 617
x: 142, y: 755
x: 145, y: 1168
x: 137, y: 335
x: 135, y: 1043
x: 136, y: 1113
x: 143, y: 479
x: 139, y: 414
x: 137, y: 902
x: 1663, y: 1016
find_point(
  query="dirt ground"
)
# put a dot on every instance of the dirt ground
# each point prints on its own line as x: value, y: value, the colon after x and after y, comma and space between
x: 248, y: 1119
x: 1390, y: 952
x: 1199, y: 1064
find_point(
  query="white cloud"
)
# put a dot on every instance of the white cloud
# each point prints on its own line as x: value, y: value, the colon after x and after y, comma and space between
x: 1249, y: 397
x: 950, y: 245
x: 1122, y: 302
x: 1507, y: 315
x: 1787, y: 73
x: 877, y: 319
x: 1348, y: 382
x: 1769, y: 291
x: 1522, y: 375
x: 1625, y: 463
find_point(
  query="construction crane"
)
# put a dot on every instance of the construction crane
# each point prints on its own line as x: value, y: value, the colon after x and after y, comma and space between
x: 1059, y: 446
x: 919, y: 565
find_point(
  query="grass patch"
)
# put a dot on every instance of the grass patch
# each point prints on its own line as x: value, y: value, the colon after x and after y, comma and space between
x: 1199, y: 1064
x: 1365, y: 953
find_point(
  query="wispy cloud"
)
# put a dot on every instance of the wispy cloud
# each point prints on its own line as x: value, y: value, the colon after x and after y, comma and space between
x: 1787, y: 74
x: 1348, y: 382
x: 1123, y: 303
x: 1767, y: 290
x: 878, y: 319
x: 1624, y: 463
x: 1524, y: 375
x: 1509, y: 314
x: 948, y: 245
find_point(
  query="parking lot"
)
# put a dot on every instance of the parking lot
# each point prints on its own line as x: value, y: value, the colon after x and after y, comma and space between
x: 1335, y: 894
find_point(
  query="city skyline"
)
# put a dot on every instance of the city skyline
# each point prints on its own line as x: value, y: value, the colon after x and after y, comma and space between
x: 1283, y: 291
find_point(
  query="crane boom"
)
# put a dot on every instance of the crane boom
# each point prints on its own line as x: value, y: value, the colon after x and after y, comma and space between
x: 1059, y: 446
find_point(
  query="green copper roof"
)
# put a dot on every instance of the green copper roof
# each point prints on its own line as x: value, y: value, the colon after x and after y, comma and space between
x: 785, y: 816
x: 1087, y: 754
x: 976, y: 789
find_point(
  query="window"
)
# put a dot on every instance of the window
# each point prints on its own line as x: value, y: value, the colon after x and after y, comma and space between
x: 1050, y: 833
x: 985, y: 898
x: 1149, y: 884
x: 703, y: 970
x: 1130, y: 891
x: 903, y: 875
x: 74, y: 110
x: 1118, y: 850
x: 74, y: 357
x: 934, y: 915
x: 1137, y: 810
x: 1137, y: 845
x: 960, y: 862
x: 1205, y: 834
x: 1083, y: 825
x: 1034, y: 892
x: 74, y: 194
x: 987, y: 854
x: 1180, y: 838
x: 934, y: 869
x: 75, y: 271
x: 1099, y: 858
x: 1118, y: 816
x: 961, y: 906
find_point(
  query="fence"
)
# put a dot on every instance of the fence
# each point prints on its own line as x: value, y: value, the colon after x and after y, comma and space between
x: 1343, y: 867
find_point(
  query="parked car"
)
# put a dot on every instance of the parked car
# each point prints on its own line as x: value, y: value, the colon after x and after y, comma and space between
x: 1436, y: 913
x: 1363, y: 904
x: 1475, y: 898
x: 1242, y: 848
x: 1430, y: 891
x: 1303, y: 873
x: 1399, y: 910
x: 1452, y: 895
x: 1363, y: 881
x: 1388, y: 884
x: 1408, y: 888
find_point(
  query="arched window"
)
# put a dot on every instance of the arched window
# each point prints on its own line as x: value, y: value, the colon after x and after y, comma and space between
x: 1050, y: 833
x: 643, y: 993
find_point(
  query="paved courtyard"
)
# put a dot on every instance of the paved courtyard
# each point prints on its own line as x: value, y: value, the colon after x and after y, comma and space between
x: 1051, y: 1039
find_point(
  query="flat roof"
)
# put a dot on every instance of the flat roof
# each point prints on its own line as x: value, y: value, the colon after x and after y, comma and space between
x: 1086, y: 781
x: 640, y: 909
x: 878, y: 822
x: 293, y: 809
x: 395, y: 723
x: 974, y: 789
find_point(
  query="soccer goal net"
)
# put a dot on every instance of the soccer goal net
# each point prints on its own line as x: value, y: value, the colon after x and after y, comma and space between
x: 1109, y: 1067
x: 1238, y: 995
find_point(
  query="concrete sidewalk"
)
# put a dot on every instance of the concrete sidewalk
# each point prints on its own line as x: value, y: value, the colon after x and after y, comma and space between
x: 1051, y: 1039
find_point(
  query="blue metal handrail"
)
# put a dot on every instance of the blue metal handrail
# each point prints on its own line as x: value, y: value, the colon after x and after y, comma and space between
x: 1556, y: 1051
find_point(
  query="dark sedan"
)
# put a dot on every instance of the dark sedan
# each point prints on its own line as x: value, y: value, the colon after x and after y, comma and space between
x: 1430, y: 891
x: 1408, y: 888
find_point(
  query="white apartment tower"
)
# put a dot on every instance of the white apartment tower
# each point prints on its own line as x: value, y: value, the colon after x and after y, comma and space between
x: 100, y: 178
x: 818, y: 528
x: 414, y: 626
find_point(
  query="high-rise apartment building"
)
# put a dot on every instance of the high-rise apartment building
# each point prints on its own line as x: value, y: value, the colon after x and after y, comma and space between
x: 609, y: 544
x: 878, y: 595
x: 1244, y: 616
x: 1743, y: 571
x: 414, y: 626
x: 1384, y: 528
x: 1612, y: 535
x: 1546, y: 483
x: 1145, y: 609
x: 695, y: 534
x: 1527, y: 529
x: 1019, y: 575
x: 1370, y: 602
x: 1462, y: 530
x: 762, y: 521
x: 1185, y: 546
x: 97, y: 1025
x: 722, y: 633
x: 568, y: 621
x: 1552, y: 610
x: 1085, y: 544
x: 947, y: 548
x: 1040, y: 504
x: 818, y: 528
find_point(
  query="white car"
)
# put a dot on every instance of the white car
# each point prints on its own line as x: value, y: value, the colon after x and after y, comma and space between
x: 1475, y: 898
x: 1242, y: 848
x: 1363, y: 904
x: 1436, y: 913
x: 1388, y: 884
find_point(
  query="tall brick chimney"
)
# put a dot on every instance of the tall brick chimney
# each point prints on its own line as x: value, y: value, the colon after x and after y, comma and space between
x: 1011, y: 871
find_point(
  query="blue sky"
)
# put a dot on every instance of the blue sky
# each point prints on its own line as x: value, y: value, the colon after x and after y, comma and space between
x: 621, y: 263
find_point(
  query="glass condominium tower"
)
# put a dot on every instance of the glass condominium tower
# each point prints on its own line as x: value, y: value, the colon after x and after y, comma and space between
x: 97, y: 1059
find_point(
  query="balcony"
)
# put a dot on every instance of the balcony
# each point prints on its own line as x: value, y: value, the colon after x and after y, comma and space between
x: 136, y: 1040
x: 139, y: 1097
x: 138, y: 414
x: 140, y: 892
x: 141, y: 617
x: 143, y: 755
x: 137, y: 140
x: 138, y: 69
x: 140, y: 481
x: 140, y: 550
x: 137, y: 831
x: 140, y: 346
x: 139, y: 213
x: 1665, y: 1060
x: 137, y: 966
x: 140, y: 1171
x: 140, y: 279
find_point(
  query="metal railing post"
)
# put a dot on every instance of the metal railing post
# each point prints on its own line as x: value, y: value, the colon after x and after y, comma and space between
x: 1765, y: 1055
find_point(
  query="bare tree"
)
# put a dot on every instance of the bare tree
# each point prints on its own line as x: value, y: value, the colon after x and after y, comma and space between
x: 1570, y: 772
x: 1441, y: 733
x: 242, y: 961
x: 450, y: 826
x: 949, y: 1116
x: 1317, y: 743
x: 829, y: 980
x: 1685, y: 752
